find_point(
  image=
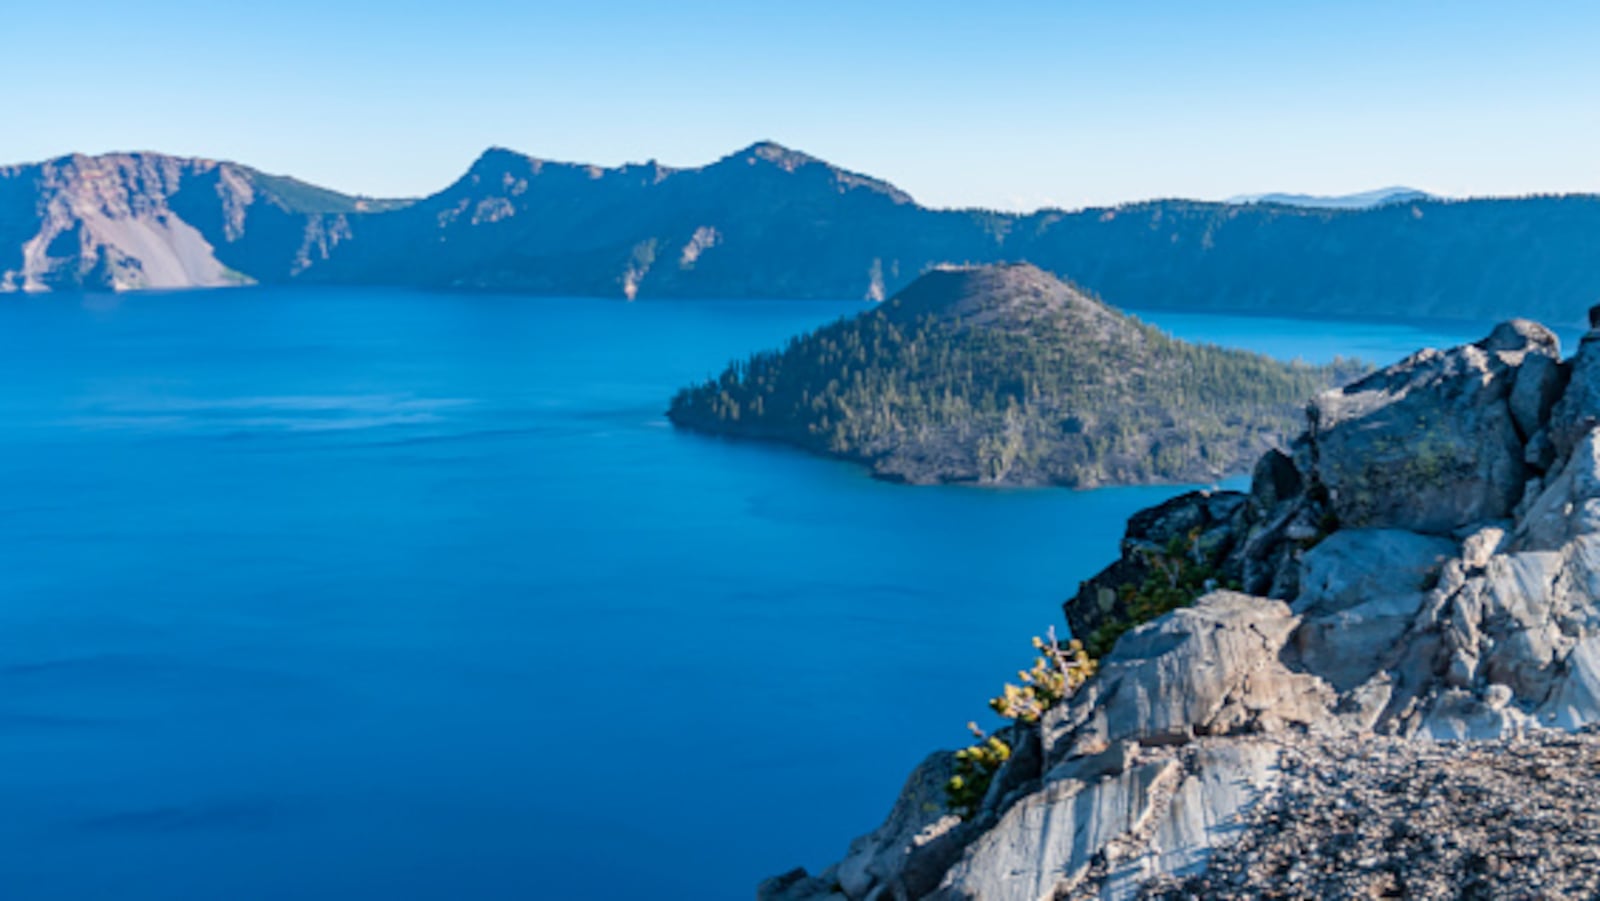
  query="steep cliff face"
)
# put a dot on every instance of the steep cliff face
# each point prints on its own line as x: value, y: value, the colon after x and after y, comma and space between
x: 142, y: 220
x: 1424, y: 565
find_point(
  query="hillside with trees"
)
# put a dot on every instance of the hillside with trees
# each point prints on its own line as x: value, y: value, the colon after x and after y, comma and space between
x: 1005, y: 375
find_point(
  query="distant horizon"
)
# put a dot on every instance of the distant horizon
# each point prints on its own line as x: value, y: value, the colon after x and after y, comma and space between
x: 1018, y: 106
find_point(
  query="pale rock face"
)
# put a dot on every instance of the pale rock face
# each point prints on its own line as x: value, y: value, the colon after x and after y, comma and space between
x: 1110, y: 834
x: 1352, y: 566
x: 1213, y: 668
x: 128, y: 221
x: 1222, y: 781
x: 1359, y: 591
x: 1051, y: 835
x: 1569, y: 506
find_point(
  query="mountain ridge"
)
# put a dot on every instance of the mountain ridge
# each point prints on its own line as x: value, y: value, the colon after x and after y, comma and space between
x: 769, y: 221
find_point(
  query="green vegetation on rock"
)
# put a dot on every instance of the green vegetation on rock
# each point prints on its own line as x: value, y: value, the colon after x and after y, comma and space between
x: 1057, y: 672
x: 1177, y: 575
x: 975, y: 768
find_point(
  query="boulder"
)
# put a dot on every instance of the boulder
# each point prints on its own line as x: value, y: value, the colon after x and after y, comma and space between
x: 1275, y: 480
x: 1347, y: 646
x: 1360, y: 589
x: 1533, y: 395
x: 1429, y: 444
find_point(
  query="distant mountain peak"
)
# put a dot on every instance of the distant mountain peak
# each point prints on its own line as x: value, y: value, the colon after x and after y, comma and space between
x: 1364, y: 200
x: 790, y: 160
x: 497, y: 158
x: 779, y: 155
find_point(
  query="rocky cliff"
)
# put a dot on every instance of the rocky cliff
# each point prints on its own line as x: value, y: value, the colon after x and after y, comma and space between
x: 769, y: 221
x: 143, y: 220
x: 1421, y: 566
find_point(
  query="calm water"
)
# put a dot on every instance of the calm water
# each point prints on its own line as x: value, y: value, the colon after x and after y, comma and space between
x: 332, y: 595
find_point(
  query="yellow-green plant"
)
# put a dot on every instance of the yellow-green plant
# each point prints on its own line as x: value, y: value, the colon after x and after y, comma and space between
x: 975, y: 769
x: 1057, y: 672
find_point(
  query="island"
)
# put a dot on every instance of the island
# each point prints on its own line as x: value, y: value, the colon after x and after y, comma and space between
x: 1006, y: 375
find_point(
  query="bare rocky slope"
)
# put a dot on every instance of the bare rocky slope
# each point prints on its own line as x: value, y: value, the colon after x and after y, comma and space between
x: 1387, y: 705
x: 142, y: 220
x: 769, y: 221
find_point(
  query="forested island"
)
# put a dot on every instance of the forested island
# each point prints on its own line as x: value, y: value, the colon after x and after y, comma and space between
x: 1006, y: 375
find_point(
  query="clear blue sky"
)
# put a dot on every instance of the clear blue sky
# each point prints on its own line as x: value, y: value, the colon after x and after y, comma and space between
x: 1005, y: 104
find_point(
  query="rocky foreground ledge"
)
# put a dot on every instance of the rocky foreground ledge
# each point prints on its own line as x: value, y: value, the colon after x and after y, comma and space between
x: 1390, y: 702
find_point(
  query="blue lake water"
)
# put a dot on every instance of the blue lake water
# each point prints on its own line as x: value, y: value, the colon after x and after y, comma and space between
x: 369, y: 594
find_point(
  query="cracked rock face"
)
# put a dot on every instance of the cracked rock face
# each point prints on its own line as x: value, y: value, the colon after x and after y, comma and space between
x: 1423, y: 565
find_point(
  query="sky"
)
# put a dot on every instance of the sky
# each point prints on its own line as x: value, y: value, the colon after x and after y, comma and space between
x: 1011, y: 105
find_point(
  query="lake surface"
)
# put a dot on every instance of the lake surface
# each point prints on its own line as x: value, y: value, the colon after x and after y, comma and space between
x: 367, y: 594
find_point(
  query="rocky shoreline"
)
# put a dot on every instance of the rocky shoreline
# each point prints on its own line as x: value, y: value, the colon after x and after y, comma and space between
x: 1398, y: 623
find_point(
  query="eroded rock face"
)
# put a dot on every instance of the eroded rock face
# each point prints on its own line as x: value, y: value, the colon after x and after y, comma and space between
x: 1211, y: 669
x: 1424, y: 565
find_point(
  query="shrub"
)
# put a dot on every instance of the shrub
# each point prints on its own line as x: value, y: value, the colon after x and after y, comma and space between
x: 975, y: 769
x: 1057, y: 672
x: 1055, y: 675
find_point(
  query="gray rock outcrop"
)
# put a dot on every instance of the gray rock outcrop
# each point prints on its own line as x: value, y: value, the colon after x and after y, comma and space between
x: 1422, y: 565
